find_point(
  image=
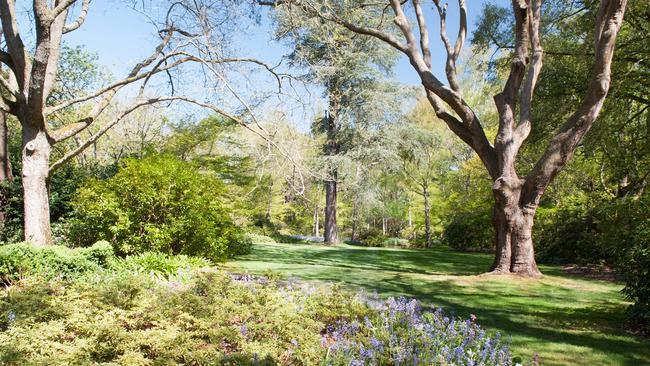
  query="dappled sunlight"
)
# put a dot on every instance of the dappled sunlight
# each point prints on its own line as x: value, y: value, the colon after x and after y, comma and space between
x: 559, y: 317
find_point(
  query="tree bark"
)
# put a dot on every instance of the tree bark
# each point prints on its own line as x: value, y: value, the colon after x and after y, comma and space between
x: 513, y: 224
x: 36, y: 157
x: 427, y: 217
x: 5, y: 164
x: 330, y: 230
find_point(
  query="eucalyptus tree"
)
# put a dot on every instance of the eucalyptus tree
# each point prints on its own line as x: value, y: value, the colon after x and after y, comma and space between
x: 516, y: 197
x: 344, y: 65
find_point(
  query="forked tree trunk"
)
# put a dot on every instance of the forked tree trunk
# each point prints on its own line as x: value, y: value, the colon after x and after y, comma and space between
x: 427, y: 217
x: 36, y: 157
x: 330, y: 230
x: 513, y: 224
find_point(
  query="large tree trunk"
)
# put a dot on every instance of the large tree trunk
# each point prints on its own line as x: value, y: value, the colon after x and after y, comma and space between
x: 513, y: 223
x: 427, y: 215
x: 330, y: 230
x: 5, y: 164
x: 36, y: 157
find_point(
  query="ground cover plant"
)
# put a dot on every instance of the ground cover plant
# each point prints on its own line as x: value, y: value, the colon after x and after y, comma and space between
x: 211, y: 317
x: 565, y: 320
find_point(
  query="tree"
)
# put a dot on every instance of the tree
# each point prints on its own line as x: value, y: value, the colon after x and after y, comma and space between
x: 343, y: 64
x: 29, y: 85
x: 426, y: 155
x: 516, y: 198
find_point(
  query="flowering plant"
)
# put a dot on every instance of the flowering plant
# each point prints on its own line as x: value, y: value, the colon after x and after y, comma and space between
x: 401, y: 333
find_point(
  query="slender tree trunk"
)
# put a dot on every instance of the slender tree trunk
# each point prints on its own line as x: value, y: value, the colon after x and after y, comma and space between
x: 383, y: 225
x: 355, y: 220
x: 5, y: 164
x: 513, y: 223
x: 427, y: 215
x: 410, y: 213
x: 36, y: 158
x: 269, y: 206
x: 331, y: 149
x: 330, y: 230
x: 317, y: 221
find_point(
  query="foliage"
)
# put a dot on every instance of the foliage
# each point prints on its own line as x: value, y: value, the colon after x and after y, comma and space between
x: 130, y: 319
x: 24, y: 259
x: 160, y: 204
x: 62, y: 188
x: 259, y: 238
x: 127, y: 318
x: 470, y: 230
x: 401, y: 333
x: 159, y: 264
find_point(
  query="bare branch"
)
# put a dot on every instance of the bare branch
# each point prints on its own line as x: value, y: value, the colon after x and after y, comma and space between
x: 80, y: 19
x: 563, y: 145
x: 534, y: 69
x: 424, y: 33
x: 17, y: 51
x: 81, y: 147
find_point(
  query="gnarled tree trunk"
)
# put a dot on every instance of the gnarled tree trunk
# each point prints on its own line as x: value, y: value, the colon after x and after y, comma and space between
x: 36, y: 157
x: 513, y: 224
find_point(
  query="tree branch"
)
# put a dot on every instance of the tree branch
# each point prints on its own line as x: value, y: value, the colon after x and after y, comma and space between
x: 563, y: 145
x: 80, y: 19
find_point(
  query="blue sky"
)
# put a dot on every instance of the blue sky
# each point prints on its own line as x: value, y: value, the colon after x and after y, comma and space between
x: 121, y: 36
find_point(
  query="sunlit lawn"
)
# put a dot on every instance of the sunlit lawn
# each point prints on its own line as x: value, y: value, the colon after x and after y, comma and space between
x: 565, y: 319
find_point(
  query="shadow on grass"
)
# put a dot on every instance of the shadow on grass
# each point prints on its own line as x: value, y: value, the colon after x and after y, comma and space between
x: 545, y: 316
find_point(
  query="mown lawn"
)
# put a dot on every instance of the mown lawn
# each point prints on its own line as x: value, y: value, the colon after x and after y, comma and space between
x: 567, y: 320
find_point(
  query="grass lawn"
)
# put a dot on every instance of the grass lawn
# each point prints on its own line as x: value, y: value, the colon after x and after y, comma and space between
x: 567, y: 320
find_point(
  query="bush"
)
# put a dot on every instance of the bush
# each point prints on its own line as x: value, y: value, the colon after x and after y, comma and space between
x: 159, y: 264
x: 24, y: 259
x: 131, y: 319
x: 470, y: 231
x: 259, y: 238
x: 395, y: 242
x: 212, y: 319
x: 157, y: 204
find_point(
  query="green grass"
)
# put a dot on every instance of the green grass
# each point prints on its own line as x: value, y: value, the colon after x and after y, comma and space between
x: 565, y: 319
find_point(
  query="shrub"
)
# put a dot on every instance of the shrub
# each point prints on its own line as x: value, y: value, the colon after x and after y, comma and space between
x: 400, y: 333
x: 131, y: 319
x: 157, y: 204
x: 24, y: 259
x: 470, y: 231
x: 395, y: 242
x: 259, y: 238
x: 159, y: 264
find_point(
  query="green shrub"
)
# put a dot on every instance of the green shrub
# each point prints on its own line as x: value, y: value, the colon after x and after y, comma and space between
x: 470, y: 231
x: 259, y: 238
x: 159, y: 263
x: 157, y: 204
x: 129, y: 319
x: 395, y: 242
x: 24, y: 259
